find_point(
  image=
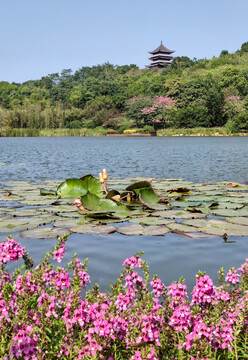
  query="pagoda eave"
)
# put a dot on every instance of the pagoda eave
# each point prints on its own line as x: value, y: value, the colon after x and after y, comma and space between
x: 154, y: 58
x: 161, y: 51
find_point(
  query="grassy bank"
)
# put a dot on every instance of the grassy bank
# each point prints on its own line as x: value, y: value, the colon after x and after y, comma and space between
x: 99, y: 131
x: 52, y: 132
x: 199, y: 131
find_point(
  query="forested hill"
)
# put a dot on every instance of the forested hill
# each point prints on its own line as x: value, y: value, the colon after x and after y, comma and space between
x: 188, y: 93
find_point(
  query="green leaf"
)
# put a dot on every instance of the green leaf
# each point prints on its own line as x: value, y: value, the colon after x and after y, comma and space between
x: 150, y: 199
x: 90, y: 201
x: 139, y: 185
x: 80, y: 187
x: 92, y: 185
x: 112, y: 193
x: 72, y: 187
x: 45, y: 192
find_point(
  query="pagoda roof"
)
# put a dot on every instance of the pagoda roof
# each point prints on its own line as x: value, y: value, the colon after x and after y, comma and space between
x: 161, y: 48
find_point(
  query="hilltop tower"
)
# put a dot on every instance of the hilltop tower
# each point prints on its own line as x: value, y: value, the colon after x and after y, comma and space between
x: 160, y: 56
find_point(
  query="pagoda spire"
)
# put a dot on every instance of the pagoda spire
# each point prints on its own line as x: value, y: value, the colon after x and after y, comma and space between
x: 160, y: 56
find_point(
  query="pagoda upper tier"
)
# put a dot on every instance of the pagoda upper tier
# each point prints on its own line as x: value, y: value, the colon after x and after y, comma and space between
x: 160, y: 56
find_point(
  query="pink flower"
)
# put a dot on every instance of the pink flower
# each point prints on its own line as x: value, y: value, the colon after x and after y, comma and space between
x: 10, y: 251
x: 133, y: 261
x: 77, y: 202
x: 232, y: 277
x: 59, y: 253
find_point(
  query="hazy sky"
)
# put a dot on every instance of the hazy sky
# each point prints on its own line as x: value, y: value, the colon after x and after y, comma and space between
x: 40, y: 37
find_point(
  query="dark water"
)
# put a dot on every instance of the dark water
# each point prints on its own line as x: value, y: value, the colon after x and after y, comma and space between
x: 193, y: 158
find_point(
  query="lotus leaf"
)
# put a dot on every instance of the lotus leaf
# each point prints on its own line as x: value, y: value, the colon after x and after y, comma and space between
x: 229, y: 212
x: 195, y: 222
x: 139, y: 185
x: 95, y: 229
x: 238, y: 220
x: 155, y: 230
x: 94, y: 203
x: 176, y: 214
x: 230, y: 205
x: 91, y: 184
x: 180, y: 189
x: 43, y: 233
x: 45, y: 192
x: 140, y: 230
x: 72, y: 188
x: 10, y: 225
x: 182, y: 227
x: 68, y: 223
x: 150, y: 220
x: 150, y: 199
x: 130, y: 229
x: 111, y: 194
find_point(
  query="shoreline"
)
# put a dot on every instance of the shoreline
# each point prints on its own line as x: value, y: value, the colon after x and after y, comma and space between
x: 101, y: 132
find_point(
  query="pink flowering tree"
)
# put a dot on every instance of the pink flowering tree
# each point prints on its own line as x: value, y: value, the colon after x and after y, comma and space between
x: 159, y: 113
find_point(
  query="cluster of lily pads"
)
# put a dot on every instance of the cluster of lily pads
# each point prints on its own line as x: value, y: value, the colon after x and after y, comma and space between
x: 133, y: 206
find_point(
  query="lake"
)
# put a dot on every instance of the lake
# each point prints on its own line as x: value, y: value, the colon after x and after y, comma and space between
x: 197, y: 159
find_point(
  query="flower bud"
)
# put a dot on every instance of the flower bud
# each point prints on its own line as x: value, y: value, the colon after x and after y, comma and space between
x: 101, y: 178
x: 77, y: 202
x: 104, y: 174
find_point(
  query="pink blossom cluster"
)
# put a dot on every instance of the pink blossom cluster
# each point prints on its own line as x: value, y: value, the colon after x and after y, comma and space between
x: 10, y: 250
x: 160, y: 103
x: 204, y: 291
x: 25, y: 344
x: 232, y: 277
x: 233, y: 98
x: 59, y: 253
x: 44, y: 315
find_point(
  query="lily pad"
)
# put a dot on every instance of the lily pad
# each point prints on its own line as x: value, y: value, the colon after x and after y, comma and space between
x: 195, y: 222
x: 238, y: 220
x: 46, y: 192
x: 10, y: 225
x: 150, y: 220
x: 93, y: 229
x: 130, y: 229
x: 155, y: 230
x: 182, y: 227
x: 68, y: 223
x: 177, y: 214
x: 140, y: 230
x: 220, y: 227
x: 229, y: 212
x: 43, y: 233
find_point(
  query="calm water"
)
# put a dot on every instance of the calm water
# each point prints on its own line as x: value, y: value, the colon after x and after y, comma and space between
x: 198, y: 159
x: 192, y: 158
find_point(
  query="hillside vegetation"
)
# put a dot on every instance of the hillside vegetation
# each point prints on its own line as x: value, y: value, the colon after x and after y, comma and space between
x: 187, y: 94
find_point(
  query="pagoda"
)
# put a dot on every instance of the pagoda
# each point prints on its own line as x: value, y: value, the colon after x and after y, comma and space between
x: 160, y: 56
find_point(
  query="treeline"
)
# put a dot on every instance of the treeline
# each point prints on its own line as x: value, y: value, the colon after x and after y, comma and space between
x: 186, y: 94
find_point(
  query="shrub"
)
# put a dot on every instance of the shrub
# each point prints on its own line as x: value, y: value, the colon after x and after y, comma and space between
x: 43, y: 314
x: 75, y: 124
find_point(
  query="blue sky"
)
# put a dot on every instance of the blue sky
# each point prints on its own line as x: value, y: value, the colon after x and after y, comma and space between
x: 38, y: 38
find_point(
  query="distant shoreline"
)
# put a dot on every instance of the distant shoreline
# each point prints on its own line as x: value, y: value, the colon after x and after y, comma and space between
x: 101, y: 132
